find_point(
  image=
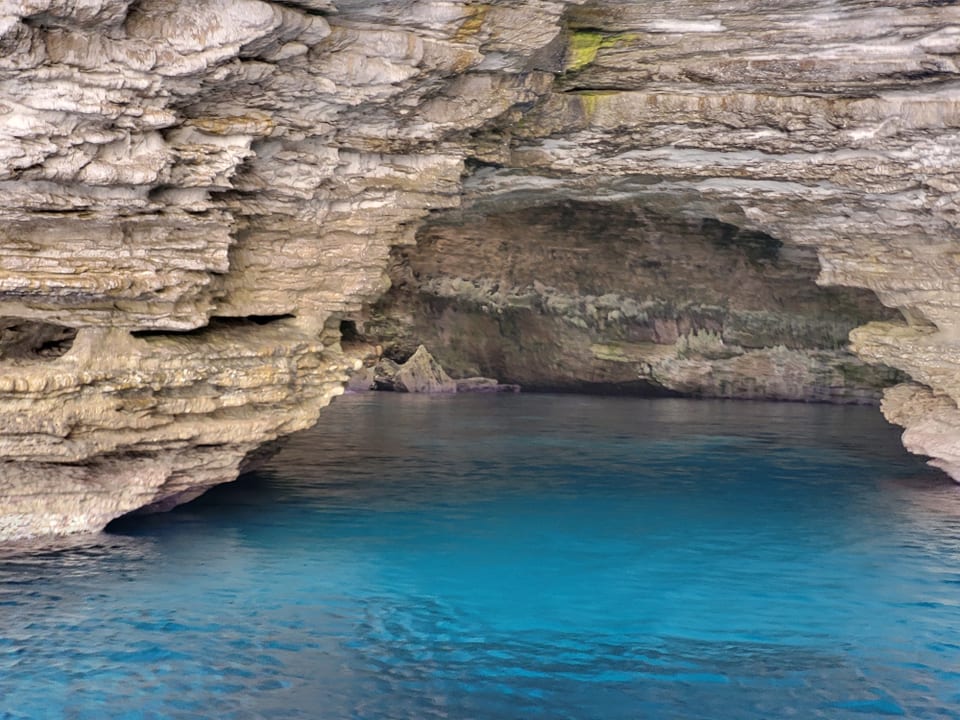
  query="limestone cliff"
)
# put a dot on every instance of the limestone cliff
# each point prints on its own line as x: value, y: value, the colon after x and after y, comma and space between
x: 196, y: 194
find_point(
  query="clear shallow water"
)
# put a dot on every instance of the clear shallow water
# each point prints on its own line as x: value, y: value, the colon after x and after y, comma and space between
x: 515, y: 557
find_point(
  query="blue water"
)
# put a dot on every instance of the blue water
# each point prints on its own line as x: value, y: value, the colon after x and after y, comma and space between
x: 516, y: 557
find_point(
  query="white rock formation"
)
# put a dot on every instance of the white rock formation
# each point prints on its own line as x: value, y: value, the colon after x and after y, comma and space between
x: 203, y: 190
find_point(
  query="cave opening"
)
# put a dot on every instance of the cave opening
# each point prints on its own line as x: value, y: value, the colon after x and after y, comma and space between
x: 22, y: 339
x: 638, y: 296
x: 349, y: 331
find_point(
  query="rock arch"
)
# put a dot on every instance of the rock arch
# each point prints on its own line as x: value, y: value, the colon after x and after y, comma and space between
x: 164, y: 163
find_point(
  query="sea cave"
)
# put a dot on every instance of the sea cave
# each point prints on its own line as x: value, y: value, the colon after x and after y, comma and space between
x: 667, y: 297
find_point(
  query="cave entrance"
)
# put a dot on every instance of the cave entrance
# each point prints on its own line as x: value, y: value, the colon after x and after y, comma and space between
x: 587, y: 295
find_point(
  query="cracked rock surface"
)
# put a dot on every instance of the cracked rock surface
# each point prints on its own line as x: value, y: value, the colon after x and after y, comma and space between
x: 194, y: 196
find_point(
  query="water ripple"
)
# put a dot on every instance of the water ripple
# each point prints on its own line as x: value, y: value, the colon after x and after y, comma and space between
x: 542, y: 557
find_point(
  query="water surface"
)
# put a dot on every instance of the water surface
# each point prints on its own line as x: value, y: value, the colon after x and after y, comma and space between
x: 514, y: 557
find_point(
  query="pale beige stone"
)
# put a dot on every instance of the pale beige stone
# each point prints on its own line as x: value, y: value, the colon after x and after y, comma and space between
x: 422, y: 374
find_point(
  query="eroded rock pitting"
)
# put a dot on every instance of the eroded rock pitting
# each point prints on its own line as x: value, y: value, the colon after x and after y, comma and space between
x: 166, y: 163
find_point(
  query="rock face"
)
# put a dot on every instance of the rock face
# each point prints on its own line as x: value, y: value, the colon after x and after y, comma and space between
x: 196, y: 195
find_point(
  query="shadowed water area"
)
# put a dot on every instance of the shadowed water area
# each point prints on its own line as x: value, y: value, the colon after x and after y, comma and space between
x: 497, y: 557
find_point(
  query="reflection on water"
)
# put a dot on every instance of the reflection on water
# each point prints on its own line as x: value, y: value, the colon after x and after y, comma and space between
x: 504, y: 557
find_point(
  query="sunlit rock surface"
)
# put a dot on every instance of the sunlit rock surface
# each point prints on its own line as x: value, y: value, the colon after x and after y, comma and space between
x: 194, y: 195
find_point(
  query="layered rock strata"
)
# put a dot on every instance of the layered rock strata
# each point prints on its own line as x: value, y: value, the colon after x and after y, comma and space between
x: 824, y: 126
x: 196, y: 195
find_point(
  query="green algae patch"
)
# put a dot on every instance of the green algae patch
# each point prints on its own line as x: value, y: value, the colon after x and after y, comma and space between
x: 590, y: 99
x: 585, y: 44
x: 588, y: 104
x: 583, y: 48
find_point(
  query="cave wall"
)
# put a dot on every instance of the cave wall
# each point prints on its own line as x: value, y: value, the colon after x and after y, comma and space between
x: 823, y: 125
x: 195, y: 194
x: 625, y: 297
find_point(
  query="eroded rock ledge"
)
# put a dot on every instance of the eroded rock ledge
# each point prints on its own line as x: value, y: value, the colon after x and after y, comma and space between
x: 195, y: 195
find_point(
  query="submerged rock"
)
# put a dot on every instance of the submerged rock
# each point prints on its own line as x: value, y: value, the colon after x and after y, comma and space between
x: 484, y: 385
x: 422, y: 373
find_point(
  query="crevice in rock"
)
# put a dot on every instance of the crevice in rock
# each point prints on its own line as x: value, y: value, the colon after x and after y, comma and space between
x: 349, y: 332
x: 32, y: 340
x: 257, y: 319
x: 215, y: 323
x: 307, y: 9
x: 758, y: 247
x: 473, y: 164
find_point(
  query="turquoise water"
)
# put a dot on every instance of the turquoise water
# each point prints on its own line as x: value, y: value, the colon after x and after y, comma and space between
x: 516, y: 557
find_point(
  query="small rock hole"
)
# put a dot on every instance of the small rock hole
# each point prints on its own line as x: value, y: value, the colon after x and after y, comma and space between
x: 32, y: 340
x: 349, y: 332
